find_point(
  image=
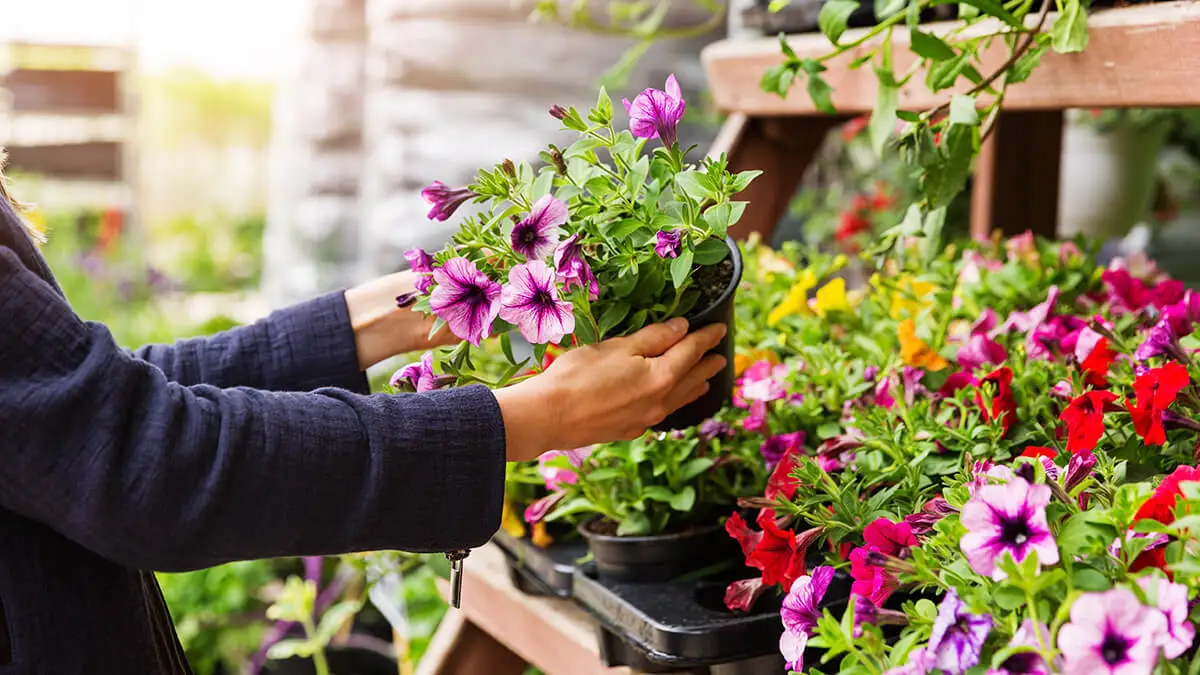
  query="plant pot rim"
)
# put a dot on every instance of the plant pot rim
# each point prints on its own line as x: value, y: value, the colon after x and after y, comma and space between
x: 735, y: 255
x: 642, y: 538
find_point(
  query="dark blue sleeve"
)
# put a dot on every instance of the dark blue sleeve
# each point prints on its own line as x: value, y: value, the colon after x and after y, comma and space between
x: 300, y: 348
x: 106, y: 449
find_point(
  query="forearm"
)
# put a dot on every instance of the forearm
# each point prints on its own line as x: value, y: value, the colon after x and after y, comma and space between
x: 382, y: 328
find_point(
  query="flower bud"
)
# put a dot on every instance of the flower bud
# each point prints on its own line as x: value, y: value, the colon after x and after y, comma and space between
x: 558, y: 112
x: 509, y: 168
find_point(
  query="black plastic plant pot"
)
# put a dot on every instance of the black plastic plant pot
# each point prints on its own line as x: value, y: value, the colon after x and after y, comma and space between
x: 684, y: 625
x: 720, y: 388
x: 541, y: 571
x: 661, y: 557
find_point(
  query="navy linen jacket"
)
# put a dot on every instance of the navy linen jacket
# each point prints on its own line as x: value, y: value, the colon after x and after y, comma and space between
x: 114, y: 464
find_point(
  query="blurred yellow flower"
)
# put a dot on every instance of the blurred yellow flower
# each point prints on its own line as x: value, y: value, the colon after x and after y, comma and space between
x: 541, y: 538
x: 743, y: 361
x: 914, y: 351
x: 796, y: 301
x: 911, y: 297
x: 832, y: 298
x: 511, y: 521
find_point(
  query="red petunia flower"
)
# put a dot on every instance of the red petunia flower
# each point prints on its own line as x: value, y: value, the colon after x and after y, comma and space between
x: 1036, y: 451
x: 1097, y: 363
x: 777, y: 554
x: 781, y: 482
x: 1085, y: 419
x: 1155, y: 390
x: 747, y: 538
x: 1004, y: 406
x: 1161, y: 505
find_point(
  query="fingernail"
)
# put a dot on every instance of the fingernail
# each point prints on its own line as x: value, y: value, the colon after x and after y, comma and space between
x: 678, y: 324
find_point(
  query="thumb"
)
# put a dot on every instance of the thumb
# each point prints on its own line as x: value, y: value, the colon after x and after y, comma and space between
x: 656, y: 339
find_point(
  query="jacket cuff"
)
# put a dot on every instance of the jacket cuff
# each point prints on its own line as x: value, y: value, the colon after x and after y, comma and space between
x: 317, y: 344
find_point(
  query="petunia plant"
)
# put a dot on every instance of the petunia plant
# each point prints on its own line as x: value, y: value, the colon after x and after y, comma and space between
x: 613, y: 232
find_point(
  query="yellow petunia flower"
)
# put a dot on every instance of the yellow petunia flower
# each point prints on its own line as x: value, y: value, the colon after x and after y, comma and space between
x: 796, y: 301
x: 511, y: 521
x: 911, y: 298
x: 832, y: 297
x: 915, y: 352
x: 541, y: 538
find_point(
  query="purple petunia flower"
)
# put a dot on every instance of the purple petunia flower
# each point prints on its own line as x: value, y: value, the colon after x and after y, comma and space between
x: 1079, y: 468
x: 774, y: 448
x: 466, y: 299
x: 1158, y: 341
x: 957, y: 637
x: 419, y: 377
x: 572, y: 269
x: 656, y: 114
x: 800, y: 612
x: 985, y: 472
x: 537, y: 235
x: 920, y: 662
x: 422, y: 263
x: 1008, y: 519
x: 1110, y: 633
x: 530, y: 301
x: 710, y: 429
x: 1172, y: 600
x: 1035, y: 635
x: 443, y: 200
x: 980, y: 350
x: 538, y: 510
x: 668, y: 243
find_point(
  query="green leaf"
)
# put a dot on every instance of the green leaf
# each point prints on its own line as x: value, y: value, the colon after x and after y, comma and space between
x: 681, y: 267
x: 1069, y: 32
x: 658, y: 493
x: 603, y: 474
x: 636, y: 178
x: 930, y: 46
x: 613, y: 315
x: 943, y: 74
x: 696, y: 185
x: 886, y: 8
x: 1025, y: 65
x: 721, y: 217
x: 694, y: 467
x: 541, y: 185
x: 333, y: 619
x: 883, y: 118
x: 634, y: 524
x: 604, y: 108
x: 990, y: 7
x: 962, y: 110
x: 833, y: 17
x: 621, y: 229
x: 506, y: 347
x: 818, y: 89
x: 711, y: 252
x: 945, y: 179
x: 584, y: 330
x: 778, y: 79
x: 1008, y: 597
x: 1088, y: 579
x: 778, y: 5
x: 742, y: 180
x: 828, y: 430
x: 684, y: 500
x: 286, y: 649
x: 438, y: 324
x: 539, y: 355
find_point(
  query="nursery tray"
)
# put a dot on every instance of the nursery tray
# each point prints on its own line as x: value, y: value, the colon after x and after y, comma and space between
x: 681, y: 625
x: 538, y: 571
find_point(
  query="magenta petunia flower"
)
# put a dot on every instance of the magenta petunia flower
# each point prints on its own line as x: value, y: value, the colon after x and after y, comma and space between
x: 1007, y: 519
x: 530, y: 301
x: 538, y: 510
x: 774, y: 448
x: 1184, y: 314
x: 1172, y: 600
x: 1079, y: 468
x: 422, y: 263
x: 668, y: 243
x: 757, y: 419
x: 981, y: 350
x: 655, y: 113
x: 556, y: 477
x: 1027, y: 663
x: 761, y: 382
x: 1158, y: 340
x: 572, y: 269
x: 800, y: 612
x: 466, y: 299
x: 1110, y: 633
x: 418, y: 377
x: 957, y: 637
x: 537, y: 235
x: 443, y: 200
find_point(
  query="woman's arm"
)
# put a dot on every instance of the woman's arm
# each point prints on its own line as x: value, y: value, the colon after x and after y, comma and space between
x: 327, y: 342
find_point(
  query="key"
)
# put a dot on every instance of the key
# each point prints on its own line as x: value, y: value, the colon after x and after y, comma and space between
x: 456, y: 570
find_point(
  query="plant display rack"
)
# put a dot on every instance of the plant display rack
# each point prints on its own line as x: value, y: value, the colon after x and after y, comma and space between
x: 1139, y: 56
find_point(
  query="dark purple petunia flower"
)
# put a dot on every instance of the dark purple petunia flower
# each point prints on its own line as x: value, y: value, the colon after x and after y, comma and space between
x: 800, y: 612
x: 1110, y: 633
x: 537, y: 235
x: 668, y: 243
x: 957, y: 637
x: 443, y: 200
x: 655, y: 113
x: 774, y: 448
x: 1079, y: 468
x: 466, y: 299
x: 572, y: 269
x: 1007, y: 519
x: 530, y: 302
x: 1027, y: 663
x: 1158, y: 341
x: 710, y: 429
x: 418, y: 377
x: 867, y: 612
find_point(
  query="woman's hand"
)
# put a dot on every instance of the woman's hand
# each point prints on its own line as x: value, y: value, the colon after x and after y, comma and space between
x: 610, y: 391
x: 381, y: 328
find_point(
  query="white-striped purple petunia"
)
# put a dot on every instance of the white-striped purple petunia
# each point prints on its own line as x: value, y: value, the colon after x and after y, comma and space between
x: 536, y: 236
x: 800, y: 612
x: 466, y: 299
x: 1007, y: 519
x: 418, y: 377
x: 530, y: 301
x: 572, y: 269
x: 656, y: 113
x: 957, y: 637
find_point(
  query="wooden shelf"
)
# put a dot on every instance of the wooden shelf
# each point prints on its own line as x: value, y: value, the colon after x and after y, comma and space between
x: 1141, y: 56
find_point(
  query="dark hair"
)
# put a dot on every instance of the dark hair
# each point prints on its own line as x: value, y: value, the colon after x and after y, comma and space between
x: 7, y: 201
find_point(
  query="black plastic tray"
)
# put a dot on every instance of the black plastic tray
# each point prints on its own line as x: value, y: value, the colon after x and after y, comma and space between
x: 538, y: 571
x: 683, y: 624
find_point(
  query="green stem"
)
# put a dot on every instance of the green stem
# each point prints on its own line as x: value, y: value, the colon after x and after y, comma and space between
x: 320, y: 664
